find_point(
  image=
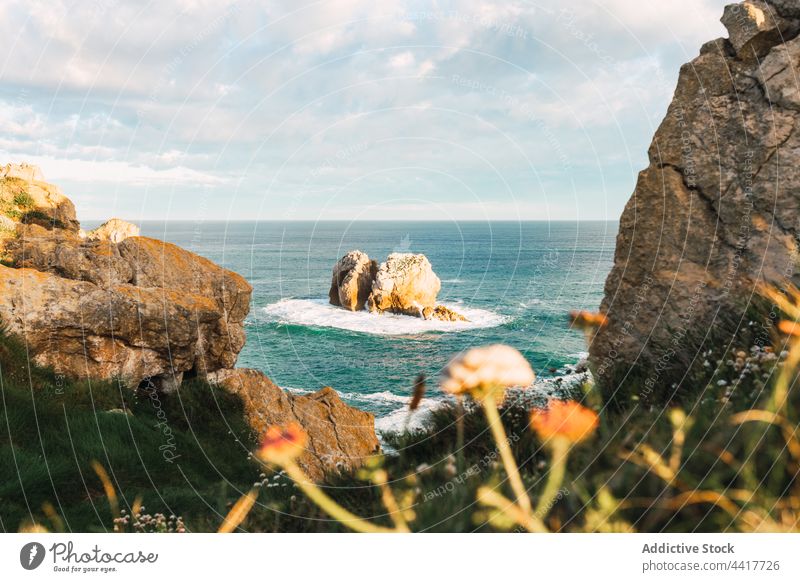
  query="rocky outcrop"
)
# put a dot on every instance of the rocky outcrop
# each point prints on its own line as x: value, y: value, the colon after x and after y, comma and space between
x: 340, y: 436
x: 351, y: 282
x: 715, y: 212
x: 26, y: 198
x: 443, y: 313
x: 92, y: 308
x: 405, y: 284
x: 115, y: 230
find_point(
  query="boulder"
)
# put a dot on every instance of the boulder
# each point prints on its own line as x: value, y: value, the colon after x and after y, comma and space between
x: 114, y: 230
x: 405, y: 284
x: 351, y: 282
x: 754, y: 27
x: 714, y: 214
x: 340, y: 436
x: 443, y: 313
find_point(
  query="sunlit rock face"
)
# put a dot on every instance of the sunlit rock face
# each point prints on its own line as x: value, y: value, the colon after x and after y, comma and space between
x: 340, y: 437
x: 405, y: 283
x: 351, y: 281
x: 716, y: 211
x: 111, y: 304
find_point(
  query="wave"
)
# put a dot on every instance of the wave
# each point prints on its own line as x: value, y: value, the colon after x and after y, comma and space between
x: 319, y: 313
x: 536, y: 396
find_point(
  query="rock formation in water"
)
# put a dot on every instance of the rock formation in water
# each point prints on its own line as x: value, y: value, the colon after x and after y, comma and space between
x: 340, y: 436
x: 111, y: 304
x: 715, y: 212
x: 405, y: 284
x: 351, y: 282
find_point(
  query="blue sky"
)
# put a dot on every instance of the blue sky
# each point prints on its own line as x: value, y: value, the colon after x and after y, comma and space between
x: 346, y: 109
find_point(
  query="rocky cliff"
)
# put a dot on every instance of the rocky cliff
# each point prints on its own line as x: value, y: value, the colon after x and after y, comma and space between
x: 716, y: 210
x: 109, y: 304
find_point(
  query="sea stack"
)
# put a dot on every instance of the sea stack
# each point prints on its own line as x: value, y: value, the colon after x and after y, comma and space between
x: 404, y: 284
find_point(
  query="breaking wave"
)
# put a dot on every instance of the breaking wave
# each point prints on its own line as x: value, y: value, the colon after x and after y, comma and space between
x: 319, y: 313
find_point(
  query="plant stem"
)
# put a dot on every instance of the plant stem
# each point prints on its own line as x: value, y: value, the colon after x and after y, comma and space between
x: 785, y: 379
x: 559, y: 451
x: 390, y: 503
x: 501, y: 440
x: 494, y: 499
x: 328, y: 505
x: 459, y: 435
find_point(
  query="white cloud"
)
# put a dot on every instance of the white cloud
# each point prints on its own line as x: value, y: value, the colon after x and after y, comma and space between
x: 114, y: 172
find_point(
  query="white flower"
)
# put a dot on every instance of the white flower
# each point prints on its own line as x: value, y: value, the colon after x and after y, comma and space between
x: 491, y: 366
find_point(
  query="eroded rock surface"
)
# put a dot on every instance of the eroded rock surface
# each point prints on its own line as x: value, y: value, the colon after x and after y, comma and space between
x: 94, y: 308
x: 714, y: 213
x: 340, y: 436
x: 351, y: 282
x: 115, y: 230
x: 405, y: 283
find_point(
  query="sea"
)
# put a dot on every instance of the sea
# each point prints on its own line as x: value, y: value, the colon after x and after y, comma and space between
x: 516, y: 282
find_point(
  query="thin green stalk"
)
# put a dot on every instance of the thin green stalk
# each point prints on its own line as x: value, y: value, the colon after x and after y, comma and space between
x: 459, y: 435
x: 328, y: 505
x: 559, y: 449
x: 390, y: 503
x: 501, y: 440
x: 492, y: 498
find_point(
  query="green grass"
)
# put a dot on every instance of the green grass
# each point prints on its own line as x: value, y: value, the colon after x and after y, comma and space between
x: 24, y: 200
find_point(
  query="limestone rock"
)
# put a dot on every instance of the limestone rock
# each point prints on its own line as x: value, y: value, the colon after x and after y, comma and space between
x: 754, y: 27
x: 25, y: 172
x: 351, y: 282
x: 62, y: 253
x: 405, y: 284
x: 114, y: 230
x: 140, y: 310
x: 443, y: 313
x: 715, y: 212
x: 84, y: 330
x: 340, y: 436
x: 26, y: 198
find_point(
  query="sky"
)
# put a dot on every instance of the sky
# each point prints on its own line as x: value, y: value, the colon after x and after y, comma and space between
x: 343, y: 109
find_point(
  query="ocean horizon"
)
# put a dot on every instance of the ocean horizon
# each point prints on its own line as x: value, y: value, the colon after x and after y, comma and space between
x: 515, y: 281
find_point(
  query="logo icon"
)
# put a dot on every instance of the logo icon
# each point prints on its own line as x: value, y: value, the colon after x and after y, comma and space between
x: 31, y: 555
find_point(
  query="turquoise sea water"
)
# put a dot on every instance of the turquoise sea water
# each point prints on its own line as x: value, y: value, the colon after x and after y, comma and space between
x: 516, y: 282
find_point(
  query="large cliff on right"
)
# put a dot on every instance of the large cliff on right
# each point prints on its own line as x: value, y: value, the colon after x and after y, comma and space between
x: 715, y: 213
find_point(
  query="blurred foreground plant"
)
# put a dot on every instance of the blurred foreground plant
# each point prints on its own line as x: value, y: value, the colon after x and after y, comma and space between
x: 282, y: 446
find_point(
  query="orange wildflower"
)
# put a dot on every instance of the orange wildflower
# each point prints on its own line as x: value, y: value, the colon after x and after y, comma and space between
x: 564, y: 419
x: 587, y: 320
x: 789, y: 327
x: 281, y: 444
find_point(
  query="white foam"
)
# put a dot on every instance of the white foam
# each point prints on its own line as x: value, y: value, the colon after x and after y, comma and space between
x: 402, y: 420
x: 319, y: 313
